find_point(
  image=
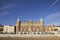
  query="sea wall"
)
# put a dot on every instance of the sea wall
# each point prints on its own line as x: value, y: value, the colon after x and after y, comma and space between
x: 28, y: 35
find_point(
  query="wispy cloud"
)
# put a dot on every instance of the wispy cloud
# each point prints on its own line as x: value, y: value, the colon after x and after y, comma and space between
x: 54, y: 23
x: 54, y: 15
x: 53, y: 18
x: 4, y: 13
x: 7, y: 6
x: 53, y: 3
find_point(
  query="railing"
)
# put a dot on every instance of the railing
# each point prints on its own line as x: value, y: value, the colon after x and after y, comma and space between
x: 31, y: 34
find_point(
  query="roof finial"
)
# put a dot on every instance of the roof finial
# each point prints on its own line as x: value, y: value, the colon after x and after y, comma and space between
x: 30, y: 20
x: 41, y: 19
x: 18, y: 19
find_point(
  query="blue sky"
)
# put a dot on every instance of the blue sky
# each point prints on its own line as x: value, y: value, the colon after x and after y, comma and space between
x: 49, y: 10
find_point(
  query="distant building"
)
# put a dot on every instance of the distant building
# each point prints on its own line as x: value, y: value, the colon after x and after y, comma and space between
x: 1, y: 28
x: 8, y: 29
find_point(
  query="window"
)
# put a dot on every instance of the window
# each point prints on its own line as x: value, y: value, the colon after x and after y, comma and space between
x: 56, y: 29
